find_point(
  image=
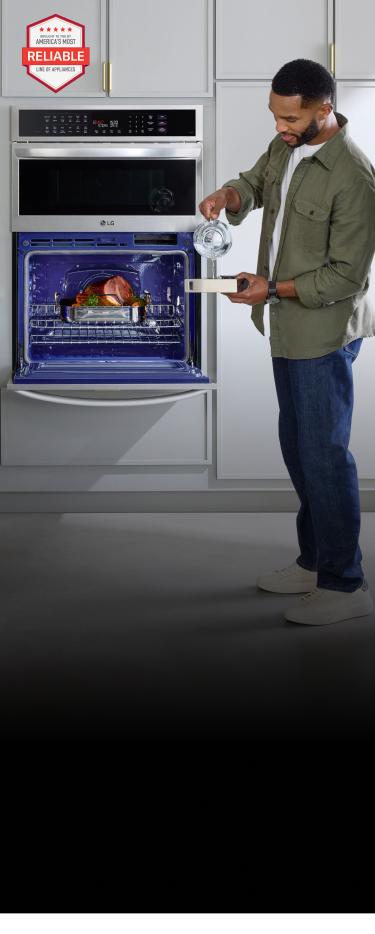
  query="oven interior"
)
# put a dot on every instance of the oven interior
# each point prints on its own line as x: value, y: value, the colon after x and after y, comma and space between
x: 58, y: 341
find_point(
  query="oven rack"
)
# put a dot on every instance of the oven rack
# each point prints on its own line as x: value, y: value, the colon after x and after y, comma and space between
x: 162, y: 325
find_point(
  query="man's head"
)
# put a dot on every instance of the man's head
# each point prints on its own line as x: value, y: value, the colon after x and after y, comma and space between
x: 301, y: 100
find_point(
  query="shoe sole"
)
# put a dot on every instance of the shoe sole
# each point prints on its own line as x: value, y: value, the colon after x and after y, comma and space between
x: 290, y: 588
x: 350, y: 614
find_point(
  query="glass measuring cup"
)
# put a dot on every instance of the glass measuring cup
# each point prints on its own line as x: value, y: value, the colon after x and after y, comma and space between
x: 212, y: 239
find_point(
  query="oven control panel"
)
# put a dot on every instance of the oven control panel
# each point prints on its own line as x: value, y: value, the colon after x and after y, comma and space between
x: 111, y: 123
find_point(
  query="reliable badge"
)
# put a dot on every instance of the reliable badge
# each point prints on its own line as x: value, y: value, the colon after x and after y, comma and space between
x: 55, y: 53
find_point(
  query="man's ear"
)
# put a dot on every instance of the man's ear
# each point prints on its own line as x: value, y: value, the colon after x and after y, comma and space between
x: 325, y: 109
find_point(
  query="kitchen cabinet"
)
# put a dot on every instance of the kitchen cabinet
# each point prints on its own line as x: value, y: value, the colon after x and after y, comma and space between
x: 356, y: 100
x: 354, y: 39
x: 35, y: 433
x: 161, y: 49
x: 247, y: 433
x: 15, y: 19
x: 255, y: 39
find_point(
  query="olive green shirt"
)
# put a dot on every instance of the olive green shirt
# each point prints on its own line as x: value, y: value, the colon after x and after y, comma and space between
x: 327, y: 243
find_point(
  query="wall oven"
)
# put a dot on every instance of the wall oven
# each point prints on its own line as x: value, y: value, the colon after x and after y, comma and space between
x: 104, y: 205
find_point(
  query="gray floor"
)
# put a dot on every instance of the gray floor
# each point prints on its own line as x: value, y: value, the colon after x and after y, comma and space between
x: 150, y: 625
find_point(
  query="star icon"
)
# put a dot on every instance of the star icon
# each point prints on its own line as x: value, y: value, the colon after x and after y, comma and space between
x: 70, y: 29
x: 62, y: 29
x: 48, y: 29
x: 55, y: 29
x: 41, y: 29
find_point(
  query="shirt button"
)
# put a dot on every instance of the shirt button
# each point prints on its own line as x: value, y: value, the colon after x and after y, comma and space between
x: 273, y: 211
x: 311, y: 212
x: 266, y: 268
x: 266, y: 239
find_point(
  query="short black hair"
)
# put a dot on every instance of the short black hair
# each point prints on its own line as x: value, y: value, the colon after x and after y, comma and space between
x: 305, y: 78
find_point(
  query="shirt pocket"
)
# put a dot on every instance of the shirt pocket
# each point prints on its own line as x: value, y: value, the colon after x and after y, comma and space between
x: 310, y: 224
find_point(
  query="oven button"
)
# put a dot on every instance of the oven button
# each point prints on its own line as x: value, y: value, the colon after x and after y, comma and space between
x: 85, y: 129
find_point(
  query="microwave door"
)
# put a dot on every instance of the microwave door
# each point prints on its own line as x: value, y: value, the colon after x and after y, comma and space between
x: 83, y: 187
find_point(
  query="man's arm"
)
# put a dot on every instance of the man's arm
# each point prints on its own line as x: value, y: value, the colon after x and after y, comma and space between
x: 226, y: 197
x: 239, y: 195
x: 257, y: 290
x: 350, y: 253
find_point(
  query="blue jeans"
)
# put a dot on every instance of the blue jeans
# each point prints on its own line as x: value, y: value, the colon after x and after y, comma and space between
x: 316, y: 404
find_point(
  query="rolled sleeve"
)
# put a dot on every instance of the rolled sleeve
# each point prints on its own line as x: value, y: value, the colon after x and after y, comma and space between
x: 250, y: 189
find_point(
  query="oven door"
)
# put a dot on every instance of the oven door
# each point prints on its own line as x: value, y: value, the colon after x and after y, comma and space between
x: 98, y: 187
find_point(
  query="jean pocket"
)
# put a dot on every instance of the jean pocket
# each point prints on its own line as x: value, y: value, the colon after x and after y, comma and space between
x: 354, y: 347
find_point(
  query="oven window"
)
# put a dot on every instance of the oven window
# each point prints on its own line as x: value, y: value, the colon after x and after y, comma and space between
x: 107, y: 186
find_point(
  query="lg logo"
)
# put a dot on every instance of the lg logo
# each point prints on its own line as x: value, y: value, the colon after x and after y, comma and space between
x: 106, y: 223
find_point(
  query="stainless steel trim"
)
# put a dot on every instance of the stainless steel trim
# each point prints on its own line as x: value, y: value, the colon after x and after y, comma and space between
x: 71, y: 105
x: 93, y: 150
x: 90, y: 253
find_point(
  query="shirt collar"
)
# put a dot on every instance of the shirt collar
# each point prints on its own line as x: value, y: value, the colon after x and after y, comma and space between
x: 331, y: 149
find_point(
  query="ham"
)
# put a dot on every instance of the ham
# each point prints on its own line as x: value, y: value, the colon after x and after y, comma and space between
x: 115, y: 291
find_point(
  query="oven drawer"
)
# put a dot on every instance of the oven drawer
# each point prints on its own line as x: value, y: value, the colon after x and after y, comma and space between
x: 163, y: 431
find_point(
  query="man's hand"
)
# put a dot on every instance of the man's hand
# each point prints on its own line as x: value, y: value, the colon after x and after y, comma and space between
x: 255, y: 293
x: 228, y: 197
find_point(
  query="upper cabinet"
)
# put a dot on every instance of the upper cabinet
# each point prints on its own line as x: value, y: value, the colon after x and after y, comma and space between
x: 354, y: 39
x: 17, y: 16
x: 255, y: 39
x: 151, y: 48
x: 161, y: 48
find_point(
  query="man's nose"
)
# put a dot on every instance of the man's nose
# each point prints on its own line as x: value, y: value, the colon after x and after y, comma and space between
x: 281, y: 127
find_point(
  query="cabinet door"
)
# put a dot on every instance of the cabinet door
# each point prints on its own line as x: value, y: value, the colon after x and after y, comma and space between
x: 15, y: 19
x: 161, y: 48
x: 354, y: 35
x: 356, y: 100
x: 248, y: 445
x: 255, y: 39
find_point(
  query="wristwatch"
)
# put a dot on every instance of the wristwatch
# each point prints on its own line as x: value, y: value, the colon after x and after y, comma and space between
x: 272, y: 294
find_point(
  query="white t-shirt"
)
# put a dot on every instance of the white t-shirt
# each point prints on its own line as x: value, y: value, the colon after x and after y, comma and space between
x: 301, y: 152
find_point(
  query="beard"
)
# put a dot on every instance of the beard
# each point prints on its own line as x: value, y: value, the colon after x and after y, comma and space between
x: 310, y: 133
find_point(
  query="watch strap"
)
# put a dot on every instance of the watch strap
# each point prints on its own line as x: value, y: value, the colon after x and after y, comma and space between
x: 272, y: 290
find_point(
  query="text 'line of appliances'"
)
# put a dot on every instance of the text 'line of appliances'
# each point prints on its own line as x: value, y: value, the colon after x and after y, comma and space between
x: 103, y: 236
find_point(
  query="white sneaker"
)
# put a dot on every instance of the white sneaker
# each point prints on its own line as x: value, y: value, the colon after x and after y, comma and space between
x: 292, y: 579
x: 321, y: 607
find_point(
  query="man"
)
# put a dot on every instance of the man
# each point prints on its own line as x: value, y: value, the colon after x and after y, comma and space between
x: 317, y: 243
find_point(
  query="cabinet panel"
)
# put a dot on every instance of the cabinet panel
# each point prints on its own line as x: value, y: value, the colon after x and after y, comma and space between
x: 161, y: 49
x: 255, y: 39
x: 43, y: 433
x: 354, y: 36
x: 15, y: 19
x: 248, y: 445
x: 357, y: 102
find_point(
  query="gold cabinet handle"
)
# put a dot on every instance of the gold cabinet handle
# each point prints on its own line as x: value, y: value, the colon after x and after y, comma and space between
x: 110, y: 76
x: 332, y: 58
x: 104, y: 76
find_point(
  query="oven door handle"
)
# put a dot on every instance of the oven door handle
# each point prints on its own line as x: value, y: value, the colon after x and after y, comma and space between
x: 111, y: 403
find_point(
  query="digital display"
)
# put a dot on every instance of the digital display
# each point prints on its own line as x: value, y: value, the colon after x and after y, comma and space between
x: 124, y: 123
